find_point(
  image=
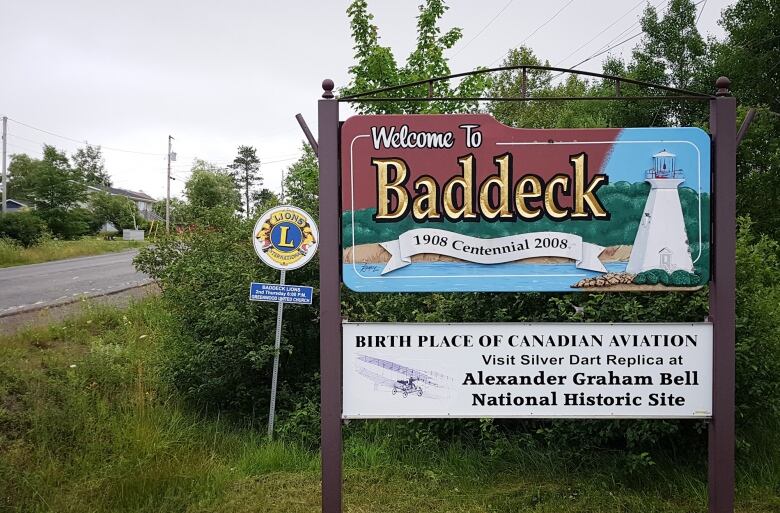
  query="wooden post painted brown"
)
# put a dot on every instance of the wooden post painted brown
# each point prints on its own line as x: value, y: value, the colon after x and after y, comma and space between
x: 330, y: 300
x: 723, y: 126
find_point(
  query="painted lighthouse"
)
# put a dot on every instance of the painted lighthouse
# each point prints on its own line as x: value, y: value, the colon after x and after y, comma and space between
x: 661, y: 241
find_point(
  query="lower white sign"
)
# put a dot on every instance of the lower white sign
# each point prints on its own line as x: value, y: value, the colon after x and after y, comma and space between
x: 527, y: 370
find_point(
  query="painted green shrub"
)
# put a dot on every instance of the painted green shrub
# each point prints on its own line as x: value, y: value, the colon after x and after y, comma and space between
x: 678, y: 278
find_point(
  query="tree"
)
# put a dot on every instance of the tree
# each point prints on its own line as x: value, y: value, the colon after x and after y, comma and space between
x: 205, y: 165
x: 265, y: 199
x: 53, y: 184
x: 57, y: 191
x: 181, y: 213
x: 673, y: 53
x: 89, y: 162
x: 210, y: 189
x: 246, y: 173
x: 120, y: 211
x: 20, y: 168
x: 376, y: 67
x: 24, y: 227
x: 301, y: 182
x: 509, y: 84
x: 749, y: 57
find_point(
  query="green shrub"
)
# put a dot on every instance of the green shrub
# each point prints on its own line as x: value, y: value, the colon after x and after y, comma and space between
x: 69, y: 224
x: 24, y: 227
x: 221, y: 349
x: 758, y: 326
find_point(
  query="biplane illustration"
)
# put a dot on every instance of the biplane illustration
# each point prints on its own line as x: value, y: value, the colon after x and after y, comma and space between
x: 400, y: 379
x: 407, y: 386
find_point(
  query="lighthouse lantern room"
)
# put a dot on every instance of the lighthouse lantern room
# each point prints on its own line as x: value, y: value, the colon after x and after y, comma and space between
x: 661, y: 241
x: 664, y: 166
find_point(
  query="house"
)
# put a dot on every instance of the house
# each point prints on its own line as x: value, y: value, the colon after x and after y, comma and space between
x: 12, y: 205
x: 143, y: 201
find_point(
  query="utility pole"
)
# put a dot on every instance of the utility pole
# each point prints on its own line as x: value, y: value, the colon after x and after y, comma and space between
x: 168, y: 190
x: 282, y: 194
x: 5, y: 185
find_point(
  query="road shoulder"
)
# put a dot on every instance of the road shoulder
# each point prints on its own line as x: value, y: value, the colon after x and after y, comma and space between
x: 12, y: 322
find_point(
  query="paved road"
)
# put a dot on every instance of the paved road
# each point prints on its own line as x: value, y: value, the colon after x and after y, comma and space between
x: 34, y: 286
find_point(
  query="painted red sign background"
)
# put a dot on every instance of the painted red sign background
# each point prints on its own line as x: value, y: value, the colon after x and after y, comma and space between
x: 358, y: 186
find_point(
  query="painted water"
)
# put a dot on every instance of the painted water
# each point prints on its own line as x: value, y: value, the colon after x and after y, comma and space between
x: 457, y: 277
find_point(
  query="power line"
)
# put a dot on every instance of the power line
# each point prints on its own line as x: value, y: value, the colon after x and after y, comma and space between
x: 180, y: 169
x: 494, y: 18
x: 609, y: 44
x: 659, y: 5
x: 280, y: 160
x: 84, y: 141
x: 608, y: 49
x: 276, y: 160
x: 600, y: 53
x: 602, y: 31
x: 611, y: 47
x: 47, y: 132
x: 24, y: 147
x: 25, y: 138
x: 700, y: 12
x: 537, y: 29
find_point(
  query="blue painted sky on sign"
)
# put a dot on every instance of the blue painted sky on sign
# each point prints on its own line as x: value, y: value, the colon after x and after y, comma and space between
x: 632, y: 154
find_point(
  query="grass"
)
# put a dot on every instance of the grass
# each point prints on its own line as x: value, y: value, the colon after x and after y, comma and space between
x: 87, y: 425
x: 13, y: 254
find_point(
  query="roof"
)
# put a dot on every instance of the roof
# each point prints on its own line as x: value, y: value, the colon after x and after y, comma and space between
x: 123, y: 192
x: 664, y: 153
x: 20, y: 204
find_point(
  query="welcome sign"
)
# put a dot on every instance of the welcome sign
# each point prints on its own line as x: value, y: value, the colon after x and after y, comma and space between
x: 464, y: 203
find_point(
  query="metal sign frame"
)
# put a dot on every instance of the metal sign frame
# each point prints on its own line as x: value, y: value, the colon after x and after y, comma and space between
x: 722, y: 125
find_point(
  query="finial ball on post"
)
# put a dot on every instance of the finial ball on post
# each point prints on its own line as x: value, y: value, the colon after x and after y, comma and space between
x: 723, y: 83
x: 327, y: 87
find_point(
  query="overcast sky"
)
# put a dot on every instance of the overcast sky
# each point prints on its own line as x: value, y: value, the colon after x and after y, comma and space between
x: 125, y: 74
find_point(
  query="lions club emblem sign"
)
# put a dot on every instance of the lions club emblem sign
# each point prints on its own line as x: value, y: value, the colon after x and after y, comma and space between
x: 285, y: 238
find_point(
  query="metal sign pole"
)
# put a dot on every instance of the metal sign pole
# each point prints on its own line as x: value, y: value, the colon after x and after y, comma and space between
x: 277, y: 344
x: 330, y: 300
x: 723, y: 125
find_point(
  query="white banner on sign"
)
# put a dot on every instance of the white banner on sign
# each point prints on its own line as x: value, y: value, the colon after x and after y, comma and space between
x: 527, y: 370
x: 492, y: 251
